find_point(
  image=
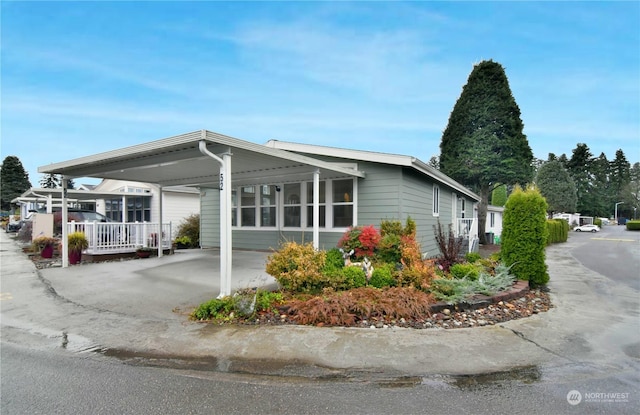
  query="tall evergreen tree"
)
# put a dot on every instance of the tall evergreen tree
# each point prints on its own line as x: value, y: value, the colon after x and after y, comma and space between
x: 579, y: 167
x: 499, y: 195
x: 557, y: 187
x: 14, y: 180
x: 601, y: 194
x: 50, y: 181
x: 484, y: 143
x: 631, y: 193
x: 620, y: 171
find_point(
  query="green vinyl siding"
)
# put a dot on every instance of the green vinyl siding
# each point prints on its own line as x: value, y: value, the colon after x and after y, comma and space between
x: 209, y: 218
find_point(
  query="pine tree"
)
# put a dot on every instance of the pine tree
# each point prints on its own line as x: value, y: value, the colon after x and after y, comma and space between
x: 557, y: 187
x: 50, y: 181
x: 579, y: 167
x: 499, y: 195
x: 14, y: 180
x: 620, y: 171
x: 601, y: 193
x: 484, y: 143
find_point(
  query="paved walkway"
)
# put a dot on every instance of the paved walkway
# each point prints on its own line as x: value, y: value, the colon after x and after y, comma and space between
x: 139, y: 308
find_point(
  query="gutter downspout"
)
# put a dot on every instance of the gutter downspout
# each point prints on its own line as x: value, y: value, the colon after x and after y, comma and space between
x: 225, y: 216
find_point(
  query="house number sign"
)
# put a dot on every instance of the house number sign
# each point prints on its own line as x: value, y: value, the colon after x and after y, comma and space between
x: 221, y: 181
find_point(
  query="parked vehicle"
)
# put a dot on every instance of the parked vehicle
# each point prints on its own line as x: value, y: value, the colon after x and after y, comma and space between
x: 587, y: 228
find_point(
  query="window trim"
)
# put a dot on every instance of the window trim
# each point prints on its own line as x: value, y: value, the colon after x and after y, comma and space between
x: 435, y: 210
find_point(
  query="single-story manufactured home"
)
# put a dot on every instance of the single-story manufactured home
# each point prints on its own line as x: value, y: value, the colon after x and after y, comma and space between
x: 119, y: 200
x: 255, y: 196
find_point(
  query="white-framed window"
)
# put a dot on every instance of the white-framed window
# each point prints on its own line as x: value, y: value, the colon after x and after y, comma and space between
x: 342, y: 203
x: 247, y: 206
x: 268, y: 197
x: 292, y: 205
x: 436, y: 200
x: 492, y: 219
x: 463, y: 207
x: 234, y: 207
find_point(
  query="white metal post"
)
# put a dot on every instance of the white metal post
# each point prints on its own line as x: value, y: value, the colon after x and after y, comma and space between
x: 65, y: 218
x: 316, y: 209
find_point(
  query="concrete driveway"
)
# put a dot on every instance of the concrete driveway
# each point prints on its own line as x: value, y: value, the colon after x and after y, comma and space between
x: 156, y: 286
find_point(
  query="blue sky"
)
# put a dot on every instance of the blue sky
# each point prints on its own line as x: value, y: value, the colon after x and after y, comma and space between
x: 81, y: 78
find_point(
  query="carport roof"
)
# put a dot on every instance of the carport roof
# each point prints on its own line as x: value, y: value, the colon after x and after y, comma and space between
x: 178, y: 161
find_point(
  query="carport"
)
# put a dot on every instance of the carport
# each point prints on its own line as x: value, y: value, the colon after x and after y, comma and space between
x: 200, y: 159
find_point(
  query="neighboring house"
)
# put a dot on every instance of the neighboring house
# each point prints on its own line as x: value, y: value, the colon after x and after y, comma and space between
x: 494, y: 222
x: 135, y: 205
x: 121, y: 201
x: 574, y: 219
x: 266, y: 212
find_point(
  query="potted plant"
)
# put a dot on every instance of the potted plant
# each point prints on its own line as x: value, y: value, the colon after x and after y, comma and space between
x: 183, y: 242
x: 144, y: 251
x: 44, y: 245
x: 77, y: 243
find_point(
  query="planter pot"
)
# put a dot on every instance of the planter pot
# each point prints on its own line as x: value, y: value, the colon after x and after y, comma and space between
x: 47, y: 251
x: 143, y: 254
x: 75, y: 257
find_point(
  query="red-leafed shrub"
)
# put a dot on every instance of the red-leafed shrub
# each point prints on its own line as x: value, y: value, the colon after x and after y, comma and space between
x: 362, y: 239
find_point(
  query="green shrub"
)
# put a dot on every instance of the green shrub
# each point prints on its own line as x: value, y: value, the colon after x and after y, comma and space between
x: 333, y: 261
x: 456, y: 290
x: 633, y: 225
x: 354, y: 277
x: 466, y: 270
x: 268, y: 300
x: 190, y: 227
x: 558, y: 231
x: 383, y: 276
x: 389, y: 249
x: 472, y: 257
x: 214, y: 309
x: 297, y: 267
x: 524, y: 235
x: 598, y: 222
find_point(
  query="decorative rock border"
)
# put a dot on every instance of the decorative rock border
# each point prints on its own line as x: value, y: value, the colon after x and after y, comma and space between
x: 518, y: 289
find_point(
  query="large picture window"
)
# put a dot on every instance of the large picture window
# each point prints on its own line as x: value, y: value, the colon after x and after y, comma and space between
x: 290, y: 205
x: 138, y: 209
x: 113, y: 209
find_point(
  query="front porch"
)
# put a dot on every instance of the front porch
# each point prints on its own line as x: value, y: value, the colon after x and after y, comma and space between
x: 114, y: 238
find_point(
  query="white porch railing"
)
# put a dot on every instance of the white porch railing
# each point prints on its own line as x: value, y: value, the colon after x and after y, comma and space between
x: 468, y: 228
x: 115, y: 237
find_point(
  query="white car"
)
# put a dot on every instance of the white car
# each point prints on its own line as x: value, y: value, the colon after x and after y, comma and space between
x: 587, y: 228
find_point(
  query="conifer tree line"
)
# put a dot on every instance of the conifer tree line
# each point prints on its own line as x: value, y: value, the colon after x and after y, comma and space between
x: 484, y: 148
x: 599, y: 183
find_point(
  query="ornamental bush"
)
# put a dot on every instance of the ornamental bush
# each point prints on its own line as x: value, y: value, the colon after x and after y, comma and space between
x: 524, y: 235
x: 362, y: 239
x: 558, y: 231
x: 297, y: 267
x: 633, y: 225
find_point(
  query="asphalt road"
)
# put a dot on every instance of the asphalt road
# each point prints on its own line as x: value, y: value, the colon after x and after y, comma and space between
x: 52, y: 381
x: 590, y: 341
x: 613, y: 252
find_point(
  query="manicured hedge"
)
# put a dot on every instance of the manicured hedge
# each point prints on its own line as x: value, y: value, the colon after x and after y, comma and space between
x: 558, y: 231
x: 633, y: 225
x: 524, y: 235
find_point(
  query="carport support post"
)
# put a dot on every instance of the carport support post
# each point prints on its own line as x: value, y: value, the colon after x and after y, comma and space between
x: 65, y: 231
x: 316, y: 209
x: 225, y: 216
